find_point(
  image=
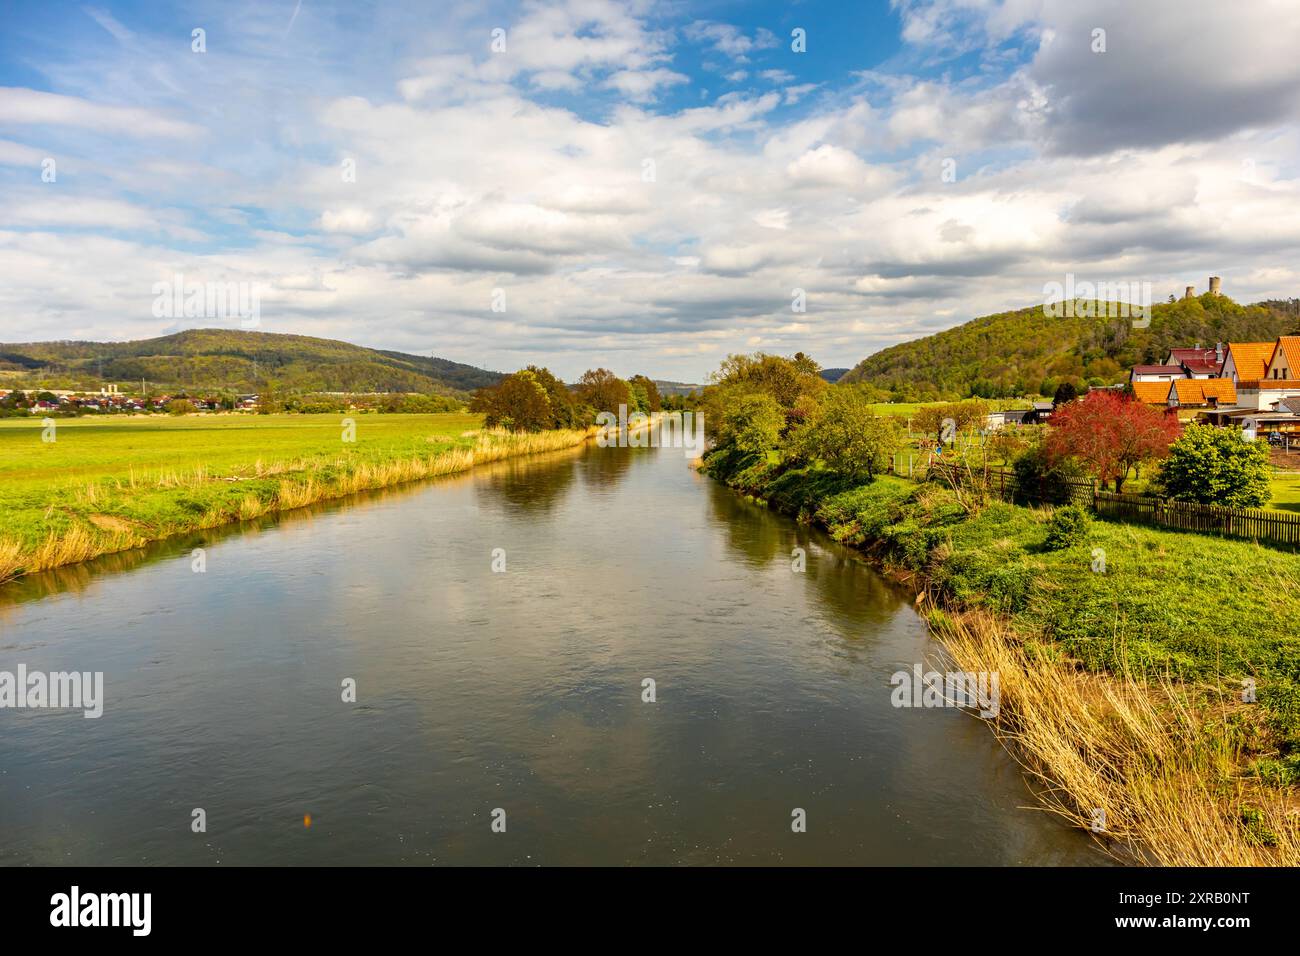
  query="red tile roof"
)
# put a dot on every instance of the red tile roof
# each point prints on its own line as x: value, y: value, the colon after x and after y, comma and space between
x: 1250, y: 358
x: 1192, y: 391
x: 1151, y: 393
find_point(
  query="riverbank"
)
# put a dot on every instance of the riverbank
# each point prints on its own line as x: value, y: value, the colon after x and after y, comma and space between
x: 1121, y: 658
x: 103, y: 488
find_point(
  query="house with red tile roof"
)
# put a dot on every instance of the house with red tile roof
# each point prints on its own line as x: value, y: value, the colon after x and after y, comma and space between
x: 1197, y: 362
x: 1285, y: 362
x: 1156, y: 373
x: 1264, y: 380
x: 1151, y: 393
x: 1192, y: 393
x: 1247, y: 361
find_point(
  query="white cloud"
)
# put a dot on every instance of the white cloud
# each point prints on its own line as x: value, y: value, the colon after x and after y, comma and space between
x: 349, y: 220
x: 34, y: 107
x: 109, y: 23
x: 470, y: 177
x: 641, y: 85
x: 729, y: 40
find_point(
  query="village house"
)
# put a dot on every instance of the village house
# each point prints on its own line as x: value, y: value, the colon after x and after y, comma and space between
x: 1191, y: 393
x: 1152, y: 393
x: 1245, y: 385
x: 1156, y: 373
x: 1010, y: 416
x: 1196, y: 362
x: 1246, y: 361
x: 1263, y: 380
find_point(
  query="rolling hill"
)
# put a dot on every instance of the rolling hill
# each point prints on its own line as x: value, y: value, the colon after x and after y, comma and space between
x: 237, y: 361
x: 1027, y: 351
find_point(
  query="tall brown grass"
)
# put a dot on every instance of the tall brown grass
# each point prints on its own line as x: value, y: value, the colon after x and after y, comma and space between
x: 299, y: 486
x: 1142, y: 750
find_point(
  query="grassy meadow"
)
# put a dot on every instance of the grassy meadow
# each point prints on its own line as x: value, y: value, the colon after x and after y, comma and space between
x: 107, y: 484
x: 1286, y: 491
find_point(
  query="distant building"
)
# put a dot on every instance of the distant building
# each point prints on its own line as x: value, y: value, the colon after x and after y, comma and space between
x: 1156, y: 373
x: 1246, y: 361
x: 1197, y: 362
x: 1010, y: 416
x: 1201, y: 393
x: 1151, y: 393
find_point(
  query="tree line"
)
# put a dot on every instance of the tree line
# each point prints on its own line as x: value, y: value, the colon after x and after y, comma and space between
x: 767, y: 411
x: 533, y: 399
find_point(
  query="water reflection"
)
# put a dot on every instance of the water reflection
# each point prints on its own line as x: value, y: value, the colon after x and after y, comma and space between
x: 521, y: 690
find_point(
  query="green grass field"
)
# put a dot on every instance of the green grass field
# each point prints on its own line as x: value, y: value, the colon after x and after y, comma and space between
x: 90, y: 449
x: 1286, y: 492
x: 901, y: 409
x: 107, y: 483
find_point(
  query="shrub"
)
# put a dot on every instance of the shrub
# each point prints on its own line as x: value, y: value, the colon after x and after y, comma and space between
x: 1216, y: 466
x: 1067, y: 527
x: 1038, y: 478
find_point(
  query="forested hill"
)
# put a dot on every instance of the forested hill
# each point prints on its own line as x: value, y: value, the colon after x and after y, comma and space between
x: 239, y: 361
x: 1028, y: 351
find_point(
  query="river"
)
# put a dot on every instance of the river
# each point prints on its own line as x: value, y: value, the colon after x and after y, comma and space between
x: 519, y: 690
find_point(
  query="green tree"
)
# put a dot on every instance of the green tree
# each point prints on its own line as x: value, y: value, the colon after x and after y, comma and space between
x: 519, y: 403
x: 846, y: 433
x: 563, y: 412
x: 653, y: 400
x: 793, y: 383
x: 600, y: 390
x: 785, y: 379
x: 1216, y: 466
x: 752, y: 424
x: 1040, y: 478
x: 1065, y: 393
x: 638, y: 400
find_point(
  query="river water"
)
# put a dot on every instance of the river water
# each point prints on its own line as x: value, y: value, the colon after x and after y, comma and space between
x: 479, y: 690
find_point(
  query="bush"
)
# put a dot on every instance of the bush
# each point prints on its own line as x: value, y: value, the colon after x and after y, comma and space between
x: 1038, y: 478
x: 1067, y: 527
x: 1216, y: 466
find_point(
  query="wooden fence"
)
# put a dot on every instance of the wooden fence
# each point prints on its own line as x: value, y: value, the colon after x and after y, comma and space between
x: 1258, y: 524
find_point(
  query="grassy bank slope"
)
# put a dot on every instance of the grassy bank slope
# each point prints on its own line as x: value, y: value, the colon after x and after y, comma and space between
x: 107, y: 485
x: 1122, y: 689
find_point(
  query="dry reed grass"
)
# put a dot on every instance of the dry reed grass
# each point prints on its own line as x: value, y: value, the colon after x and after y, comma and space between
x: 1171, y: 786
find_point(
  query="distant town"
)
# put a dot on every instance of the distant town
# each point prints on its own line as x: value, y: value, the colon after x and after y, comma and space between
x: 110, y: 399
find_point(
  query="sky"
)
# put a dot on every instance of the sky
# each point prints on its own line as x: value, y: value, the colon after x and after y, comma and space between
x: 643, y: 186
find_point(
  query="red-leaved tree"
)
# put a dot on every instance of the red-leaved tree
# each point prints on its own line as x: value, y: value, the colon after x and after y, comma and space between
x: 1111, y: 434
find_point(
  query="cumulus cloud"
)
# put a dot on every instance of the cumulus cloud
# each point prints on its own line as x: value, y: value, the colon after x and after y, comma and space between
x: 641, y: 85
x: 625, y: 228
x: 729, y: 40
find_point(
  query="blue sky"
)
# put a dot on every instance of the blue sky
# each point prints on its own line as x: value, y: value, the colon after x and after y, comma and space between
x: 638, y: 185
